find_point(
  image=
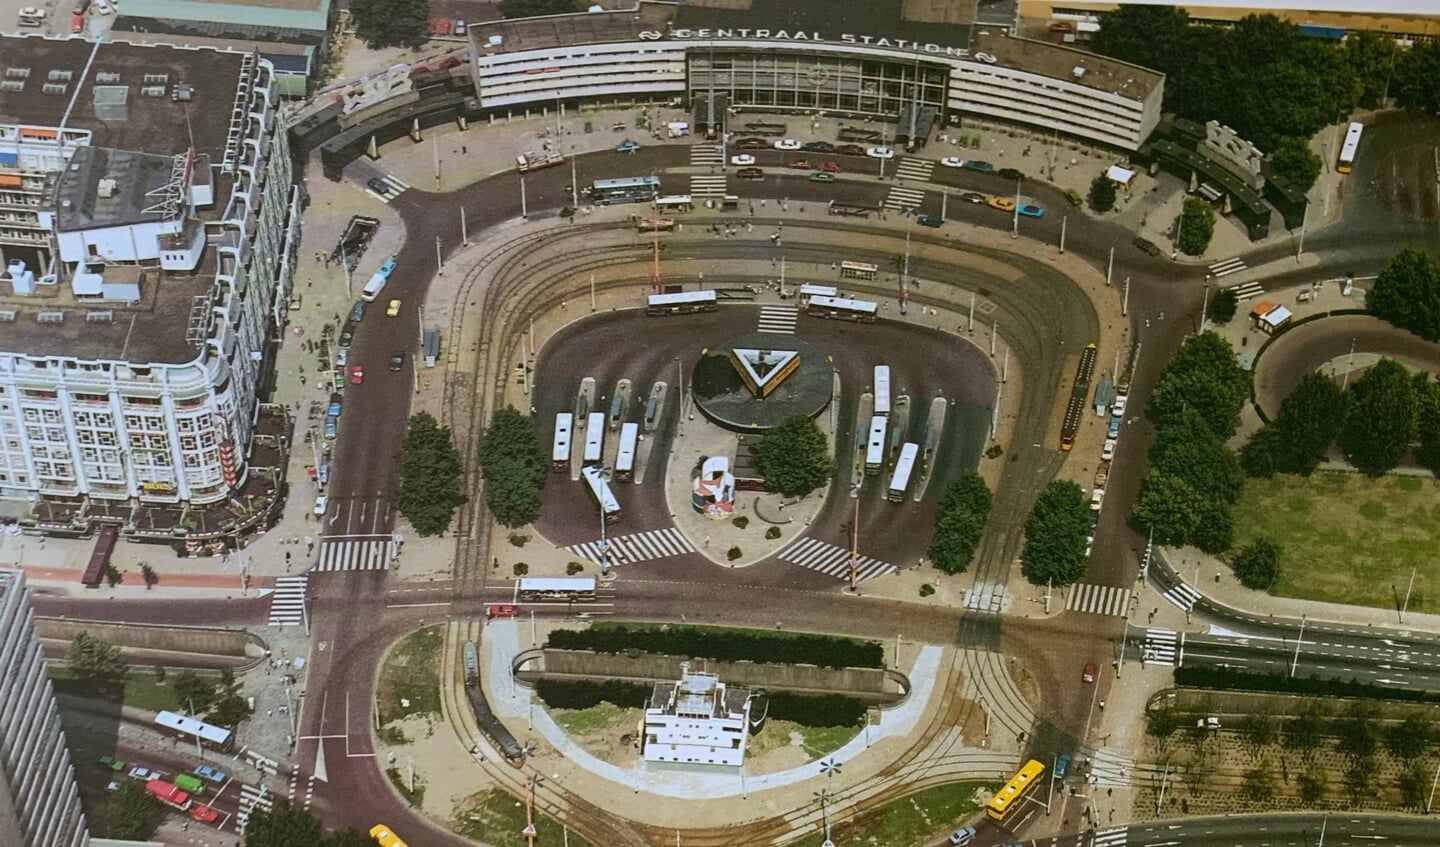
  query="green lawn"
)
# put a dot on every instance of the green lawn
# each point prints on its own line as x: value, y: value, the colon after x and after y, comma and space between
x: 496, y: 818
x: 410, y: 676
x: 594, y: 719
x: 915, y: 819
x: 142, y: 689
x: 1345, y: 538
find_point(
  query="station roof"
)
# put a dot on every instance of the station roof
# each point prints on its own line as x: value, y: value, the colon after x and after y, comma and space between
x: 1061, y: 62
x: 933, y: 21
x: 277, y: 14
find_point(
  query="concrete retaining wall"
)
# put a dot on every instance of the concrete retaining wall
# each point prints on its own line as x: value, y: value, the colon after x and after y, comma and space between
x: 171, y: 639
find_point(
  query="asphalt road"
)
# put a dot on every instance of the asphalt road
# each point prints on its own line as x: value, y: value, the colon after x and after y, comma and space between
x: 1292, y: 830
x: 1384, y: 662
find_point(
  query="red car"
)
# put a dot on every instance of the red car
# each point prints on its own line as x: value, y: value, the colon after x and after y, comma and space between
x: 204, y: 814
x: 357, y: 374
x: 829, y: 167
x: 1089, y: 673
x: 505, y: 611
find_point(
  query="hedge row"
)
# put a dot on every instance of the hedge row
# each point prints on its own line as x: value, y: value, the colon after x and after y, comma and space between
x: 724, y: 645
x: 804, y: 709
x: 1225, y: 679
x: 816, y: 709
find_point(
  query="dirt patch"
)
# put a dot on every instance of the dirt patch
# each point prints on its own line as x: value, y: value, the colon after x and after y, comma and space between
x: 607, y: 732
x: 1025, y: 683
x: 1408, y: 180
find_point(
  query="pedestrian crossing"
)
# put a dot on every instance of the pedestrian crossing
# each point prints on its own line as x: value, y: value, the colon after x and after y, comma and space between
x: 706, y: 154
x: 986, y: 597
x: 1227, y: 267
x: 1115, y: 836
x: 295, y: 788
x: 369, y: 554
x: 1247, y: 290
x: 394, y: 187
x: 1183, y: 595
x: 1110, y: 768
x: 832, y: 560
x: 915, y: 168
x: 637, y: 546
x: 252, y: 797
x: 1161, y: 646
x: 1098, y: 599
x: 779, y: 320
x: 287, y: 604
x: 904, y: 199
x: 707, y: 185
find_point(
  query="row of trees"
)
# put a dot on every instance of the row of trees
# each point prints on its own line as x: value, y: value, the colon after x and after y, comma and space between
x: 287, y: 825
x: 515, y: 467
x: 959, y: 523
x: 390, y: 23
x: 430, y: 476
x: 1194, y: 478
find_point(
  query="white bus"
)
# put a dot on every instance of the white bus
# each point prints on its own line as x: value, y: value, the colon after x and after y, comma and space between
x: 858, y: 270
x: 807, y: 291
x: 572, y: 588
x: 875, y: 447
x: 1350, y: 148
x: 900, y: 480
x: 560, y: 454
x: 625, y: 459
x: 600, y: 491
x: 882, y: 390
x: 842, y: 308
x: 681, y: 303
x: 595, y: 439
x: 675, y: 203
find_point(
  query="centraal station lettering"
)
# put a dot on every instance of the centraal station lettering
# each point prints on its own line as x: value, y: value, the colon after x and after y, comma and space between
x: 801, y: 35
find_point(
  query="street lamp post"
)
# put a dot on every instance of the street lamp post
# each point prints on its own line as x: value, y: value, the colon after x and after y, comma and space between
x: 1298, y: 641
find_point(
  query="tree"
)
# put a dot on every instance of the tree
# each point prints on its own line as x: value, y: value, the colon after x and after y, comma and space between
x: 1187, y: 448
x: 390, y: 23
x: 1175, y: 513
x: 1380, y: 418
x: 1301, y: 434
x: 96, y: 662
x: 112, y: 575
x: 1417, y: 78
x: 1260, y: 727
x: 1260, y: 781
x: 430, y: 476
x: 1407, y: 293
x: 959, y: 522
x: 229, y: 710
x: 1314, y: 781
x: 1360, y: 776
x: 149, y: 575
x: 1055, y: 534
x: 1414, y: 785
x: 1156, y: 37
x: 1304, y: 732
x: 1358, y: 729
x: 535, y: 8
x: 1294, y: 161
x: 285, y: 825
x: 794, y: 457
x: 1372, y: 58
x: 1427, y: 422
x: 515, y: 467
x: 1102, y: 193
x: 349, y: 838
x: 132, y: 813
x: 1257, y: 564
x: 1222, y: 306
x: 1196, y: 227
x: 1205, y: 376
x: 193, y: 692
x: 1411, y: 738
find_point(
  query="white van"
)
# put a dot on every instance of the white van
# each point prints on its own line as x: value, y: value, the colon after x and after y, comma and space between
x: 377, y: 282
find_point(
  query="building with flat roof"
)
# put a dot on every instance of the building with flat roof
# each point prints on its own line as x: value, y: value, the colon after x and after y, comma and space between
x: 871, y: 61
x: 39, y: 799
x: 148, y: 226
x: 1404, y: 19
x: 697, y: 721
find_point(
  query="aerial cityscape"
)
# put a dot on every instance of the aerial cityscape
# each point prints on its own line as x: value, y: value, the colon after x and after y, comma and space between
x: 700, y: 422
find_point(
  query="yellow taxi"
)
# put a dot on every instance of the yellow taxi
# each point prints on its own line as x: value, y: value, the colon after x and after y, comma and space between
x: 384, y: 837
x: 1004, y: 204
x: 394, y: 309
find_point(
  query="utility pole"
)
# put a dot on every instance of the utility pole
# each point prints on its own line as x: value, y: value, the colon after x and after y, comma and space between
x: 1349, y: 366
x: 524, y: 213
x: 1015, y: 215
x: 592, y: 292
x: 1125, y: 301
x: 994, y: 329
x: 1301, y: 640
x: 855, y: 549
x: 1063, y: 221
x: 439, y: 259
x: 464, y: 231
x: 574, y: 186
x: 1109, y: 267
x: 1304, y: 220
x: 1408, y: 589
x: 972, y: 312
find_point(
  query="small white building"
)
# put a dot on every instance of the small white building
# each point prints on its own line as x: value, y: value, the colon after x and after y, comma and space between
x: 697, y: 721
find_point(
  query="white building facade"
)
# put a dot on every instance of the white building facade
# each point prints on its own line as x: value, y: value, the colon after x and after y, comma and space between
x: 697, y: 721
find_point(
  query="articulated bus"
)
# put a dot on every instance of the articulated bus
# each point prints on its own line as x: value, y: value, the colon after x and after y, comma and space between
x: 560, y: 454
x: 625, y: 459
x: 600, y: 491
x: 904, y: 468
x: 594, y: 439
x: 655, y: 225
x: 1009, y: 798
x: 875, y: 446
x: 850, y: 210
x: 215, y: 737
x: 632, y: 189
x: 842, y: 308
x: 681, y: 303
x: 1350, y: 148
x: 541, y: 589
x: 882, y: 390
x: 675, y: 203
x: 858, y: 270
x: 808, y: 290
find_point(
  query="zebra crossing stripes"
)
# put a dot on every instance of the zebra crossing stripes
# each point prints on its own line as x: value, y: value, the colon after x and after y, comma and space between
x: 707, y: 185
x: 903, y: 199
x: 250, y: 798
x: 780, y: 320
x: 1098, y: 599
x: 287, y: 604
x: 1227, y: 267
x: 355, y: 555
x: 394, y: 187
x: 1110, y: 768
x: 1160, y: 646
x: 1115, y: 836
x: 915, y: 168
x: 832, y: 560
x: 638, y: 546
x: 986, y: 597
x: 1183, y: 595
x: 706, y: 154
x: 1247, y: 290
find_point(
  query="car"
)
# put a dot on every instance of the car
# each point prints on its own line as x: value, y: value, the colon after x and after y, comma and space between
x: 974, y: 197
x: 357, y: 311
x: 357, y: 374
x: 1097, y: 499
x: 821, y: 176
x: 114, y: 785
x: 829, y: 167
x: 397, y: 361
x: 978, y: 165
x: 752, y: 144
x: 818, y: 147
x: 501, y: 611
x: 1030, y: 210
x: 215, y: 775
x: 1121, y: 401
x: 962, y: 836
x: 322, y: 504
x: 459, y: 27
x: 1147, y: 246
x: 104, y: 7
x: 742, y: 159
x: 379, y: 186
x: 799, y: 165
x: 750, y: 173
x: 385, y: 836
x: 32, y: 16
x: 77, y: 23
x: 850, y: 150
x: 144, y: 774
x: 332, y: 427
x: 110, y: 763
x: 342, y: 357
x: 787, y: 144
x: 337, y: 405
x: 1089, y: 543
x: 394, y: 309
x: 627, y: 146
x: 1004, y: 204
x: 1114, y: 430
x: 204, y: 814
x: 1108, y: 451
x: 1061, y: 765
x: 1088, y: 675
x: 347, y: 335
x: 932, y: 221
x: 880, y: 152
x: 952, y: 162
